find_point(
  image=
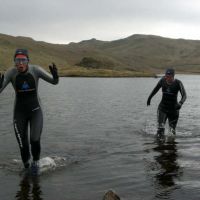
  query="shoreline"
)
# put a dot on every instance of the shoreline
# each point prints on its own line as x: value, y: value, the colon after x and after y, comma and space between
x: 121, y: 76
x: 77, y: 76
x: 105, y: 73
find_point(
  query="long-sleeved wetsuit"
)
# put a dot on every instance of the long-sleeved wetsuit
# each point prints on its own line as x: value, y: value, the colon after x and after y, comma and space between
x: 168, y: 107
x: 27, y: 109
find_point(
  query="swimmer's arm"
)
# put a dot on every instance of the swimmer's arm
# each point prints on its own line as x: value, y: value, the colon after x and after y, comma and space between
x: 41, y: 73
x: 183, y: 93
x: 6, y: 78
x: 155, y: 90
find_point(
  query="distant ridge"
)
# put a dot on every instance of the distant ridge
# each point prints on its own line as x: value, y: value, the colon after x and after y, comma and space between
x: 136, y: 55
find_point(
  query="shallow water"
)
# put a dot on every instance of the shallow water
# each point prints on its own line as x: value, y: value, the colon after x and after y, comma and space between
x: 104, y: 137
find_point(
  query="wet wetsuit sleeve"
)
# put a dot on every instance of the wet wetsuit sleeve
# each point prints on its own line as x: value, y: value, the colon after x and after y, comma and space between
x: 155, y: 90
x: 41, y: 73
x: 7, y: 78
x: 183, y: 93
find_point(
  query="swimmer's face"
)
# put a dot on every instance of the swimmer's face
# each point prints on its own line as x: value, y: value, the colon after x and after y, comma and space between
x: 169, y: 78
x: 21, y: 63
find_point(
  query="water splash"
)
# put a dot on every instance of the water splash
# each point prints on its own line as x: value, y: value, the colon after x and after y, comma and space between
x: 46, y: 164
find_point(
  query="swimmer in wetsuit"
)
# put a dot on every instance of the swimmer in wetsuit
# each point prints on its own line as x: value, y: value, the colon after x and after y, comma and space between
x: 169, y: 106
x: 27, y: 109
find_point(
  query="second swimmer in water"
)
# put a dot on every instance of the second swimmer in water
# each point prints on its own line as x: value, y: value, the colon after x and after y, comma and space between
x: 169, y: 106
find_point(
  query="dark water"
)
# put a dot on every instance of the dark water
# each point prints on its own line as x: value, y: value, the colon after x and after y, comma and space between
x: 104, y: 133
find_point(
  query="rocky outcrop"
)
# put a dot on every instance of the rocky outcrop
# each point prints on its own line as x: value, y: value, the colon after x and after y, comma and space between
x: 110, y: 195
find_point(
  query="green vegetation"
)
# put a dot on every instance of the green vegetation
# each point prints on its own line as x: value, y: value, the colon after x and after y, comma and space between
x: 137, y: 55
x: 84, y: 72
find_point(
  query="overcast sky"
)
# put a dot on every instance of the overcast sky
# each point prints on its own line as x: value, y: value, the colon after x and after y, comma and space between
x: 64, y: 21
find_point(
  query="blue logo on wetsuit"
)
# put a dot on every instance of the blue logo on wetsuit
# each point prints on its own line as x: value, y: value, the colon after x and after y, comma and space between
x: 25, y: 86
x: 25, y: 83
x: 168, y: 90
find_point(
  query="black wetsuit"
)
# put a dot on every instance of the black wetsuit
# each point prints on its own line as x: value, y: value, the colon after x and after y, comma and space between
x: 27, y: 109
x: 169, y: 107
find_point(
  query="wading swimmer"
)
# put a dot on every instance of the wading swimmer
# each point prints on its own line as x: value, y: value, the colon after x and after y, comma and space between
x: 27, y: 110
x: 169, y: 106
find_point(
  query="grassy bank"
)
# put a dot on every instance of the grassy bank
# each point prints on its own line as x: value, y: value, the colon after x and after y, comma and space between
x: 83, y: 72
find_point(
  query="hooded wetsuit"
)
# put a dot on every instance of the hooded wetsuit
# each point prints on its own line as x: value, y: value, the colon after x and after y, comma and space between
x: 168, y: 107
x: 27, y: 108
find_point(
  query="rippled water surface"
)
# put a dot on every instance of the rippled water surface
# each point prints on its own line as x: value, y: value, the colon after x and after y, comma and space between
x: 102, y: 136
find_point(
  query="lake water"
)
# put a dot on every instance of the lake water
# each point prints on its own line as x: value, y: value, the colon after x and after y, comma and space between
x: 102, y: 136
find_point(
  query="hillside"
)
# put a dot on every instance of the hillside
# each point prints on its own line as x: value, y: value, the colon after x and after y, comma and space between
x: 137, y: 55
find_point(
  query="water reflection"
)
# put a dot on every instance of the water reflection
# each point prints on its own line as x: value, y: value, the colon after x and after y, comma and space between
x: 168, y: 168
x: 29, y: 189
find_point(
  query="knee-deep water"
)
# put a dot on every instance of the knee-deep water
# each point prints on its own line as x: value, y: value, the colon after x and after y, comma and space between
x: 101, y: 135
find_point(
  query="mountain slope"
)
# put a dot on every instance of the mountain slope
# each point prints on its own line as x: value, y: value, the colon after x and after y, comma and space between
x: 134, y: 55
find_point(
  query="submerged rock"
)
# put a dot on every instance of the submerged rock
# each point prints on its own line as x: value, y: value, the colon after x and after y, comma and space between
x: 110, y: 195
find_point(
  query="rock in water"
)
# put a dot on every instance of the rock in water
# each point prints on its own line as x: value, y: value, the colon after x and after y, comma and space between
x: 110, y: 195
